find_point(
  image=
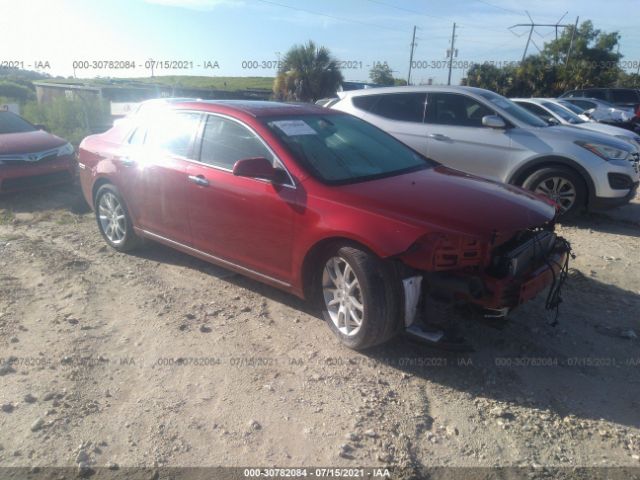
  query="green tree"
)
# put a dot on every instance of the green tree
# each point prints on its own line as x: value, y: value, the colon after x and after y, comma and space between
x: 16, y: 91
x: 307, y: 73
x: 381, y: 74
x: 592, y: 61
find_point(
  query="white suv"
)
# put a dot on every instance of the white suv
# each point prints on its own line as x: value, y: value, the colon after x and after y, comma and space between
x: 481, y: 132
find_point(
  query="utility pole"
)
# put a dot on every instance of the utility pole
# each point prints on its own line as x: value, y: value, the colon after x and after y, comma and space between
x: 453, y: 41
x: 413, y: 44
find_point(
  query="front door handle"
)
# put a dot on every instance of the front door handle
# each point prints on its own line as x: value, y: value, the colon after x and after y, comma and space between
x: 199, y: 180
x: 438, y: 136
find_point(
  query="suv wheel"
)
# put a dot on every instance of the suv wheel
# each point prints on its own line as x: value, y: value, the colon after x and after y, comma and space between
x: 113, y: 219
x: 562, y: 185
x: 359, y: 297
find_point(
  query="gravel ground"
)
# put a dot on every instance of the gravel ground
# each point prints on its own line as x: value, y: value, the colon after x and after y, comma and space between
x: 158, y: 359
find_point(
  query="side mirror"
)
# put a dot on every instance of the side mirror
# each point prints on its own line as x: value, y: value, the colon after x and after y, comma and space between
x: 553, y: 121
x: 493, y: 121
x: 257, y: 167
x: 589, y: 112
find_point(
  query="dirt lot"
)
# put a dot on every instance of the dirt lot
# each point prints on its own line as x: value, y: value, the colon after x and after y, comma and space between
x: 158, y: 359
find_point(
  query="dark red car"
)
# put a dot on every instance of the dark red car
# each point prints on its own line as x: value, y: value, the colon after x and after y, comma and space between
x: 31, y: 157
x: 323, y: 205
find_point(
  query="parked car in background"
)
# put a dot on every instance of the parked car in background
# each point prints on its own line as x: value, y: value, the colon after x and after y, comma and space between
x: 620, y: 97
x: 31, y: 157
x: 481, y: 132
x: 327, y: 102
x: 605, y: 112
x: 553, y: 112
x: 575, y: 109
x: 323, y: 205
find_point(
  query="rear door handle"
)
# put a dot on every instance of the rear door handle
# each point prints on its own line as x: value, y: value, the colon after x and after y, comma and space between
x: 438, y: 136
x: 199, y: 180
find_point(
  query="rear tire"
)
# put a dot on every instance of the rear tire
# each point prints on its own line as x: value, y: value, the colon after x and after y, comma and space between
x: 114, y: 221
x: 359, y: 295
x: 562, y: 185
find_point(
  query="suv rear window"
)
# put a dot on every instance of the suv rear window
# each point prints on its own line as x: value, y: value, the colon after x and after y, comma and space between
x: 625, y: 96
x: 594, y: 93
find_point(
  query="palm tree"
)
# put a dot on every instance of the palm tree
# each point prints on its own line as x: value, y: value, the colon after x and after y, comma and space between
x: 307, y: 73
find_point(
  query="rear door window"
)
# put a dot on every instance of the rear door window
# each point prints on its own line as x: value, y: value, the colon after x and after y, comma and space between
x: 405, y: 107
x: 455, y: 109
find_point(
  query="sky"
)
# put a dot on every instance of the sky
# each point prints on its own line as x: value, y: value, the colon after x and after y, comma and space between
x: 233, y: 37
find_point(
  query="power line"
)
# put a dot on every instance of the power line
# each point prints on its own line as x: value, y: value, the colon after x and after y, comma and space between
x: 499, y: 7
x: 405, y: 9
x: 409, y: 10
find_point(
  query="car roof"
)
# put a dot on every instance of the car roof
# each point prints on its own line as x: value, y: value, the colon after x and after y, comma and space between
x: 255, y: 108
x: 413, y: 88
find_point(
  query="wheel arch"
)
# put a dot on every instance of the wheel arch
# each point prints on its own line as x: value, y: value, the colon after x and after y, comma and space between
x: 315, y: 253
x: 96, y: 186
x: 524, y: 171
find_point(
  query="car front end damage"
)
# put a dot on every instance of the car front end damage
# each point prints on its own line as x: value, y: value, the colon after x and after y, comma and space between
x: 494, y: 274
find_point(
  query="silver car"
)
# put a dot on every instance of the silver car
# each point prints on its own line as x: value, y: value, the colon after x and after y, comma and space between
x: 553, y: 111
x: 483, y: 133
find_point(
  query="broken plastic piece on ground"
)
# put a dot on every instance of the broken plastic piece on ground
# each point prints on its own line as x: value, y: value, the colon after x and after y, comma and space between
x: 446, y: 340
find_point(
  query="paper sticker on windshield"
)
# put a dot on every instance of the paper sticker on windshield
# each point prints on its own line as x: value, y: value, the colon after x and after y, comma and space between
x: 292, y: 128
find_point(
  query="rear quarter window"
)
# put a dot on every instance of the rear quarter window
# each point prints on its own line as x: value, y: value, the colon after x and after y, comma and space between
x: 625, y: 96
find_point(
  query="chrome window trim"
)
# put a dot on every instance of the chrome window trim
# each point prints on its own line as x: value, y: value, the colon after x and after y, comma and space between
x: 250, y: 129
x: 214, y: 258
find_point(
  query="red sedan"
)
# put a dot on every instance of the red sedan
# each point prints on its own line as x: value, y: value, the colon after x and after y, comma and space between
x: 323, y: 205
x: 30, y: 157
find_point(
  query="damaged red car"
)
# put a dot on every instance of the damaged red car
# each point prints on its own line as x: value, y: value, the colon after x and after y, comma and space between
x: 31, y: 157
x: 325, y: 206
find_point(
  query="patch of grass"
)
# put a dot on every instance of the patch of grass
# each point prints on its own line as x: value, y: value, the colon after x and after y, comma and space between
x: 10, y: 237
x: 67, y: 219
x: 6, y: 217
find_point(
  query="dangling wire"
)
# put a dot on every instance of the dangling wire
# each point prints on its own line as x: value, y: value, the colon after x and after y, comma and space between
x: 554, y: 298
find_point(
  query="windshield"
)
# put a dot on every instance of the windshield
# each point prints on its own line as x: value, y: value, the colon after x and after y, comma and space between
x: 516, y: 111
x: 574, y: 108
x: 12, y: 123
x: 565, y: 114
x: 344, y: 149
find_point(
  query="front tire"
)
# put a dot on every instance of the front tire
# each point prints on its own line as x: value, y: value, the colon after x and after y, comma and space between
x: 359, y: 297
x: 562, y: 185
x: 113, y: 219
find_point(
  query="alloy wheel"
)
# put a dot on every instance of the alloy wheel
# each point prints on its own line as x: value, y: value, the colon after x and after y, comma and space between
x: 112, y: 218
x: 560, y: 190
x: 343, y: 296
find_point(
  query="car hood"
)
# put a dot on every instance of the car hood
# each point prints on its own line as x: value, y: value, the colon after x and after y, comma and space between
x: 607, y: 129
x: 445, y: 198
x: 28, y: 142
x: 574, y: 133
